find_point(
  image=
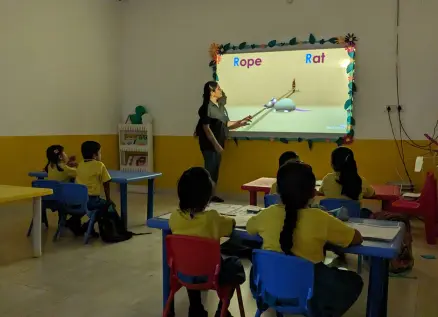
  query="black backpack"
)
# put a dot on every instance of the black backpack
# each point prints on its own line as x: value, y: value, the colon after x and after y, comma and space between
x: 111, y: 227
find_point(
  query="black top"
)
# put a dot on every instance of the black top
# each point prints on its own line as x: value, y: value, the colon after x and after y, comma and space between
x: 216, y: 117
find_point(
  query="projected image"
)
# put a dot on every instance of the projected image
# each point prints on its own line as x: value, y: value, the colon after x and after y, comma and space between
x: 287, y: 91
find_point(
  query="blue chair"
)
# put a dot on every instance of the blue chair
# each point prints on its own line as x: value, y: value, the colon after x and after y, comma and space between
x: 50, y: 201
x: 271, y: 199
x: 353, y: 207
x: 74, y: 201
x: 282, y: 282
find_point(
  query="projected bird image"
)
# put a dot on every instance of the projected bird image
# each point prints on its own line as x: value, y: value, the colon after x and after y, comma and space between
x: 287, y: 91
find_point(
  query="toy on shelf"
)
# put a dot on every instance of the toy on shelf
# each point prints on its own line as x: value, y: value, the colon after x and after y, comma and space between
x: 137, y: 117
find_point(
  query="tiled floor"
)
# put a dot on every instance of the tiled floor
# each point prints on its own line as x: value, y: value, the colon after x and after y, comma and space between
x: 125, y: 279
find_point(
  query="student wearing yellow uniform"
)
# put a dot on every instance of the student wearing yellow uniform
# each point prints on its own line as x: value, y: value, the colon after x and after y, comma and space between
x: 285, y: 157
x: 195, y: 190
x: 295, y: 229
x: 345, y: 181
x: 93, y: 174
x: 57, y: 168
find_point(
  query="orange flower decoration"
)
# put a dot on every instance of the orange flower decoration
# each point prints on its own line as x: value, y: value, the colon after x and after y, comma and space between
x: 214, y: 51
x: 347, y: 139
x: 350, y: 78
x: 340, y: 40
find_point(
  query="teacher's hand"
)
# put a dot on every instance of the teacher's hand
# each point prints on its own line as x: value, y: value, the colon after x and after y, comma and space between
x: 245, y: 121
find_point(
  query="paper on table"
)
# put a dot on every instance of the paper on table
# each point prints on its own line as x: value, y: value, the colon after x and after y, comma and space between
x: 419, y: 164
x: 242, y: 220
x: 373, y: 232
x: 165, y: 216
x: 318, y: 183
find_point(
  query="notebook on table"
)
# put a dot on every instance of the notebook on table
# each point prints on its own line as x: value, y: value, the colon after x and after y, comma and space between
x: 375, y: 232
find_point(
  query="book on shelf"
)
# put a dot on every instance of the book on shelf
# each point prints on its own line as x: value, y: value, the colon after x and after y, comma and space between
x: 137, y: 160
x: 135, y: 139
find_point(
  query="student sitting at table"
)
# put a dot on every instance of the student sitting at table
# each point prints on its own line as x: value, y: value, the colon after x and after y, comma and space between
x: 295, y: 229
x: 92, y: 173
x: 57, y: 167
x: 345, y: 182
x: 285, y: 157
x: 195, y: 189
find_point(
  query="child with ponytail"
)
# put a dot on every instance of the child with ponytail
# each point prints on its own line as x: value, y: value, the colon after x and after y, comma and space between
x: 295, y: 229
x: 58, y: 165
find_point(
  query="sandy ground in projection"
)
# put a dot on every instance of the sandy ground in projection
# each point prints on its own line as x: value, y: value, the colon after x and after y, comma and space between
x: 319, y: 119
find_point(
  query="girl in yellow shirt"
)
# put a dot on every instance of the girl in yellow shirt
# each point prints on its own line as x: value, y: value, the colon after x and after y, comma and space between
x: 296, y: 229
x: 57, y: 168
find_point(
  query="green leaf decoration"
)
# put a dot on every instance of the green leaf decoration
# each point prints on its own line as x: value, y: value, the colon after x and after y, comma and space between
x: 272, y: 43
x: 293, y: 41
x: 253, y: 46
x: 350, y: 85
x: 340, y: 141
x: 242, y: 45
x: 350, y: 120
x: 300, y: 140
x: 215, y: 77
x: 322, y: 41
x: 352, y: 54
x: 353, y: 88
x: 212, y: 63
x: 351, y: 133
x: 283, y: 140
x: 310, y: 144
x: 227, y: 47
x: 312, y: 39
x: 350, y: 68
x: 348, y: 104
x: 333, y: 40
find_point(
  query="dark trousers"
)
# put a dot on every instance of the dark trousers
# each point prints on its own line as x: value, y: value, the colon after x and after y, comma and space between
x: 212, y: 162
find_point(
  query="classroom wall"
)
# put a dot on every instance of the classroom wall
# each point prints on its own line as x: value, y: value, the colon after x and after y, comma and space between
x: 60, y: 70
x: 165, y: 64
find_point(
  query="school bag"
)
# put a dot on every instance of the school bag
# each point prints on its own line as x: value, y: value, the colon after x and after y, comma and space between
x: 405, y: 260
x: 111, y: 227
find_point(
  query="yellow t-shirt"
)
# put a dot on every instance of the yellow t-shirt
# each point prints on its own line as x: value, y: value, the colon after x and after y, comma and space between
x: 330, y: 188
x: 61, y: 176
x: 92, y: 174
x: 208, y: 224
x: 314, y: 229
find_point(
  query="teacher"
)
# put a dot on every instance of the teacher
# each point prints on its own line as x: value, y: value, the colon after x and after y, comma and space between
x: 212, y: 129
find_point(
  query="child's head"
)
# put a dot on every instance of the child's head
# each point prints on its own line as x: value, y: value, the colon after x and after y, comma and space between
x: 343, y: 162
x: 195, y: 189
x: 91, y: 150
x: 287, y: 156
x: 55, y: 155
x: 296, y: 187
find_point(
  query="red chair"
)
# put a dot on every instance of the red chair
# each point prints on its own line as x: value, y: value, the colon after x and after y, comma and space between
x: 197, y: 257
x: 425, y: 206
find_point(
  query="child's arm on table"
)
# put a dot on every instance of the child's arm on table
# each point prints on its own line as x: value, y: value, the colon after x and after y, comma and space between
x: 224, y: 223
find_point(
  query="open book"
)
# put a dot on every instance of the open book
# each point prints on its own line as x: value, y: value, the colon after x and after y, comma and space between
x: 375, y: 232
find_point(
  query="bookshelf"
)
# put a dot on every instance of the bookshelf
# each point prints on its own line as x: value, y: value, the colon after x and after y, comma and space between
x: 136, y: 151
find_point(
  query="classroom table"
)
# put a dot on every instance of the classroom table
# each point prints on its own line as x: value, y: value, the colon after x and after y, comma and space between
x: 386, y: 193
x: 123, y: 178
x: 379, y: 252
x: 15, y: 193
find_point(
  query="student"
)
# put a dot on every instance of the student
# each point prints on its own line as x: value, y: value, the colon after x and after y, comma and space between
x: 195, y: 190
x: 345, y: 181
x: 57, y: 168
x: 295, y: 229
x: 93, y: 174
x: 285, y: 157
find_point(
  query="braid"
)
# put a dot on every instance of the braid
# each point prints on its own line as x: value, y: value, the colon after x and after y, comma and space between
x: 290, y: 223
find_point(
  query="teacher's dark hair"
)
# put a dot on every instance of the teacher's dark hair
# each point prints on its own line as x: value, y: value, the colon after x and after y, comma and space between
x: 296, y: 186
x: 209, y: 87
x: 195, y: 189
x: 343, y: 162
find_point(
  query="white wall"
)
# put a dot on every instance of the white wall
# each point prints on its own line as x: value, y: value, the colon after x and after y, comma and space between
x: 165, y: 53
x: 59, y: 66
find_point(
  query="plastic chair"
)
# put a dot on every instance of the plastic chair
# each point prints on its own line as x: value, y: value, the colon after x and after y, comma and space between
x: 49, y: 201
x: 183, y: 258
x: 353, y: 206
x: 283, y: 282
x: 425, y: 206
x: 271, y: 199
x: 74, y: 202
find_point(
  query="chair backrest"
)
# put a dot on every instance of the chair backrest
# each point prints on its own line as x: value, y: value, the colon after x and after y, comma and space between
x: 54, y: 185
x: 429, y: 193
x: 283, y: 280
x: 194, y: 257
x: 353, y: 206
x: 74, y: 196
x: 272, y: 199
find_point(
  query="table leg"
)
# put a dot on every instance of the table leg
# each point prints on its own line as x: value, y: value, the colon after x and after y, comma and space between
x: 150, y: 212
x: 36, y: 230
x: 166, y: 272
x: 377, y: 301
x: 124, y: 203
x: 253, y: 198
